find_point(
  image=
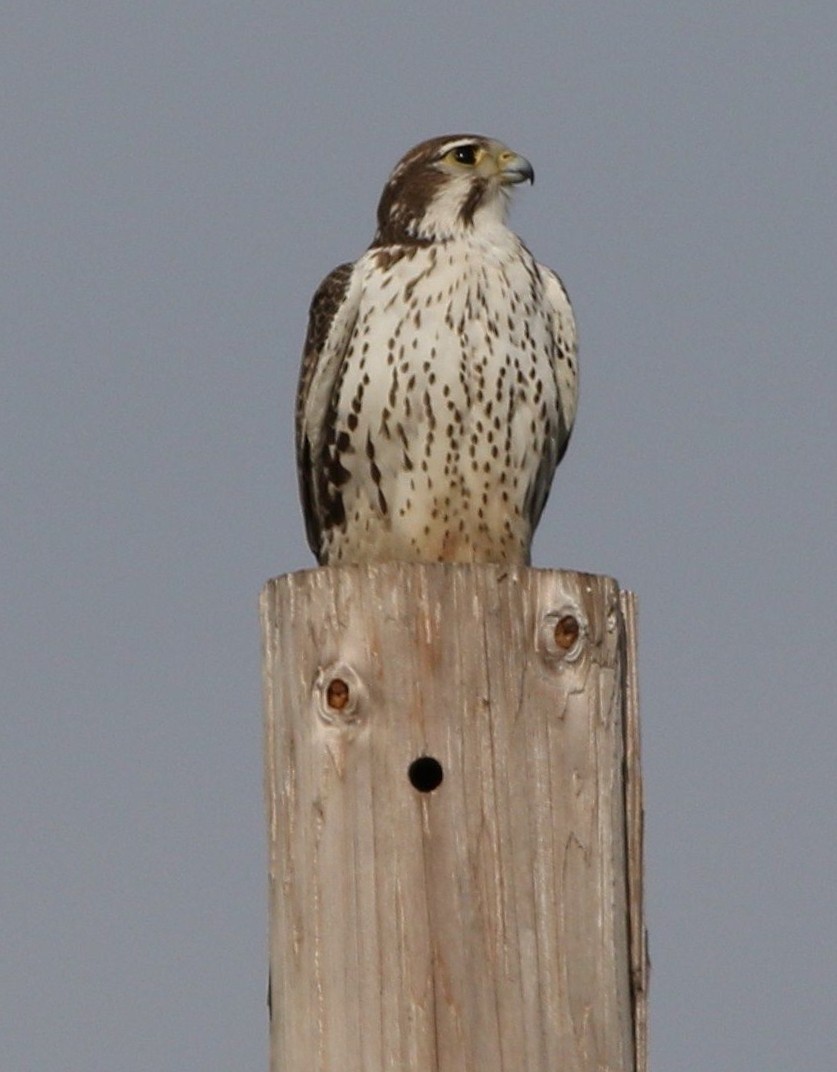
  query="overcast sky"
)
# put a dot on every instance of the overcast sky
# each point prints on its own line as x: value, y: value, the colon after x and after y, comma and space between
x: 176, y: 179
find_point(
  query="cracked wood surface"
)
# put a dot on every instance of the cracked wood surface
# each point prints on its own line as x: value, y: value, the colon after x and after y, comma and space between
x: 490, y: 924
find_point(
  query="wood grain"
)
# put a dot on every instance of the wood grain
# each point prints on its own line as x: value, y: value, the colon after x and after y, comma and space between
x: 493, y: 924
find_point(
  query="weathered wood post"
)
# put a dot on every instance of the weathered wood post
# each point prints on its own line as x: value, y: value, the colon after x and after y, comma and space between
x: 455, y: 821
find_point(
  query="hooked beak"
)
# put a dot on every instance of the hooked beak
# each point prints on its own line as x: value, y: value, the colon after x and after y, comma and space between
x: 514, y: 168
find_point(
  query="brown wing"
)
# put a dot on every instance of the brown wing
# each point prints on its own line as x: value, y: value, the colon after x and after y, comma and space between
x: 331, y: 321
x: 565, y: 370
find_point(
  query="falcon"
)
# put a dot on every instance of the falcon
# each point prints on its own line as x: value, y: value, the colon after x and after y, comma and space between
x: 439, y: 376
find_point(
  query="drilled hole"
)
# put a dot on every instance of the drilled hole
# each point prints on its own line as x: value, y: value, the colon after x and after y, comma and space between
x: 425, y: 774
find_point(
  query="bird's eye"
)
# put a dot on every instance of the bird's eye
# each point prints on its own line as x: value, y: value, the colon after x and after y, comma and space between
x: 465, y: 154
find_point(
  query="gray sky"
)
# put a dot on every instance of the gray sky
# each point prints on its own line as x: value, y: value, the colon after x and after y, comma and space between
x: 177, y: 177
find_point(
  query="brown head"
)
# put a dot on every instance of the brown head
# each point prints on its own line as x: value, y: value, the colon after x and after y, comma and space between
x: 446, y: 186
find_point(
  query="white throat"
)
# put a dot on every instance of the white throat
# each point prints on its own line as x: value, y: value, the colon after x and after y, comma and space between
x: 442, y: 218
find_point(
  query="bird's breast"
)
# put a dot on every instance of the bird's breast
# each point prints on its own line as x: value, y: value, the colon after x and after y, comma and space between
x: 445, y: 404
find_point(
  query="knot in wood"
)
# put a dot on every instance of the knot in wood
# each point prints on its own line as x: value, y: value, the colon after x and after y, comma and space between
x: 566, y: 632
x: 562, y: 635
x: 338, y: 693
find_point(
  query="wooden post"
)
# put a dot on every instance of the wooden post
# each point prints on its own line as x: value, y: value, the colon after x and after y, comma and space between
x: 490, y: 921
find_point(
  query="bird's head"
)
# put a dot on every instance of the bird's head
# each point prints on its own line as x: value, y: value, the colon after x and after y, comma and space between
x: 447, y: 186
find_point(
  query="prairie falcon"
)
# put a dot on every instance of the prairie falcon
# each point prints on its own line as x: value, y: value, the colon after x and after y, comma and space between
x: 439, y: 378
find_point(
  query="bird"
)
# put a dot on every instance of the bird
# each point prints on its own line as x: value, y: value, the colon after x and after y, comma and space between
x: 439, y: 375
